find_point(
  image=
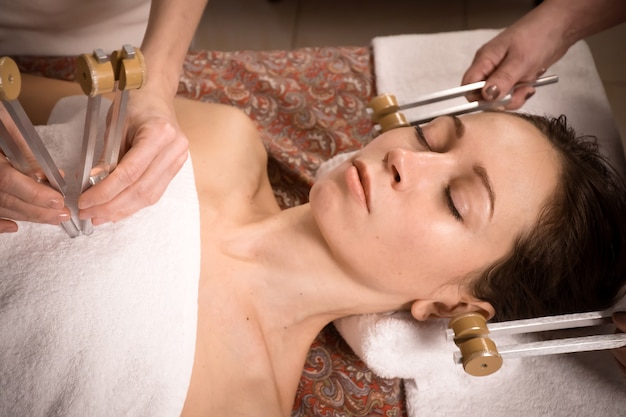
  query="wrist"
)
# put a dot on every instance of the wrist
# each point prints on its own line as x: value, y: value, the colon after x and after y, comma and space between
x: 161, y: 78
x: 561, y: 21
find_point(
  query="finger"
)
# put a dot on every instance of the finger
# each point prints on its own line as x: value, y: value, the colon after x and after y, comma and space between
x: 26, y: 189
x: 15, y: 209
x: 145, y: 192
x: 24, y: 149
x: 7, y: 226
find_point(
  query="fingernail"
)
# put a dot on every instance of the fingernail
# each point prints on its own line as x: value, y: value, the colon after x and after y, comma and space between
x: 56, y: 204
x: 83, y: 205
x: 9, y: 228
x: 529, y: 95
x: 64, y: 217
x: 492, y: 92
x: 100, y: 220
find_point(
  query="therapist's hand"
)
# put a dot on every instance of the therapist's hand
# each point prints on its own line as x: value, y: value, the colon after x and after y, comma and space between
x: 520, y: 53
x: 156, y: 150
x: 619, y: 319
x: 22, y: 197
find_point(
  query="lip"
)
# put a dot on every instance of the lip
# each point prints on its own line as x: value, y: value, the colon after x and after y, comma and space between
x: 358, y: 183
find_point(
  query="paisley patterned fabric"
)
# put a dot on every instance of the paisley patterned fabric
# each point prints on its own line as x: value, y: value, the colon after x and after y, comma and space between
x: 336, y: 383
x: 309, y: 104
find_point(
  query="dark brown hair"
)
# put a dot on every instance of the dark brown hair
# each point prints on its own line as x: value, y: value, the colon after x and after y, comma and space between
x: 574, y: 259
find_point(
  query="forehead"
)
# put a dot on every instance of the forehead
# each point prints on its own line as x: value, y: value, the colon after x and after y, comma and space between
x: 521, y: 162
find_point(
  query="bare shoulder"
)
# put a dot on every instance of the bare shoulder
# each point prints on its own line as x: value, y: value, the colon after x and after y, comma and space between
x: 228, y: 156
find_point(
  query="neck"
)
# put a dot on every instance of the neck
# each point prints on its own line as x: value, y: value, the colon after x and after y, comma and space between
x: 299, y: 275
x: 291, y: 287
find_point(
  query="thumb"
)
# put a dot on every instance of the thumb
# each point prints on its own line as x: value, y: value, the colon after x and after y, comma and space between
x: 7, y: 226
x: 487, y: 59
x: 512, y: 71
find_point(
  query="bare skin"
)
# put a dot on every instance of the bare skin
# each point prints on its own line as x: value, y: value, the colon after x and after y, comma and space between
x: 239, y: 357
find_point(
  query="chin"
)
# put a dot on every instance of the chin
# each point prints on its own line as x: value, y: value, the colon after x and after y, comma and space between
x: 323, y: 198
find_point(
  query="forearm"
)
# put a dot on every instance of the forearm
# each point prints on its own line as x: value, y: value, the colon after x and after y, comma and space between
x: 582, y: 18
x: 169, y: 33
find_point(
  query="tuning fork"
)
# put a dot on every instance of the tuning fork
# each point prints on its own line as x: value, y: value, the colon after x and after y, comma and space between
x: 387, y: 114
x: 95, y: 75
x: 17, y: 135
x: 100, y: 74
x: 480, y: 356
x: 129, y: 71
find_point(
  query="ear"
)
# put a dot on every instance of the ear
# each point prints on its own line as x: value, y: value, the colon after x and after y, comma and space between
x: 423, y: 310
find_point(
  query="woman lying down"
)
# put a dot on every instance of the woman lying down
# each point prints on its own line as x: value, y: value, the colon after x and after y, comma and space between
x: 504, y: 214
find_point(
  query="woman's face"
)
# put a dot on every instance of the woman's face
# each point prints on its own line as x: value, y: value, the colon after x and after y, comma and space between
x: 416, y: 210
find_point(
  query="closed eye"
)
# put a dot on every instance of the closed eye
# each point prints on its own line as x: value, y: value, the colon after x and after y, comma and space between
x: 450, y: 203
x: 421, y: 138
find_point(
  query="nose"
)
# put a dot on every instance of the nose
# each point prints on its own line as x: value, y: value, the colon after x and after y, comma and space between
x: 409, y: 168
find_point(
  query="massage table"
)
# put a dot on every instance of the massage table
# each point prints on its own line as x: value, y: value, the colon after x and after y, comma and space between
x: 310, y: 108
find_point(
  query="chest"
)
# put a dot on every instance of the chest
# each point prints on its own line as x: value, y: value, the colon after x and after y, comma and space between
x: 233, y: 374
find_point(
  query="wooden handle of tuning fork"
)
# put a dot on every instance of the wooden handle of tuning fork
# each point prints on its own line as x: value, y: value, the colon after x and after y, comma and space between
x: 95, y: 74
x: 383, y: 105
x: 393, y: 121
x: 480, y: 356
x: 10, y: 79
x: 130, y: 67
x: 468, y: 325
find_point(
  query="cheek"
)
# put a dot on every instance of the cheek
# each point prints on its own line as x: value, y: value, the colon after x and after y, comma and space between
x: 431, y: 246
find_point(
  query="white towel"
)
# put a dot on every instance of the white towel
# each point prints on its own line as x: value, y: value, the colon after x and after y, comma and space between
x: 585, y: 384
x: 396, y: 346
x: 100, y: 325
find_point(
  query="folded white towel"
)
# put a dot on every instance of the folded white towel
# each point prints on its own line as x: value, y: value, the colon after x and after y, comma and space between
x: 100, y: 325
x: 396, y: 346
x: 586, y: 384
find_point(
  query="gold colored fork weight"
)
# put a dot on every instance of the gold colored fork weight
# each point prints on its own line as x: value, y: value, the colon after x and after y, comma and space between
x: 385, y: 112
x: 480, y: 356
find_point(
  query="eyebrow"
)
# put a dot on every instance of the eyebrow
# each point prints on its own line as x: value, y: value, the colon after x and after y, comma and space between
x: 458, y: 126
x: 481, y: 172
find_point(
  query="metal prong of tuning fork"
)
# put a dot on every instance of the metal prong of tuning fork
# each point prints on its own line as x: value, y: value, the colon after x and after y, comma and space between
x: 474, y: 328
x: 129, y: 69
x: 10, y: 86
x: 96, y: 77
x: 386, y: 112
